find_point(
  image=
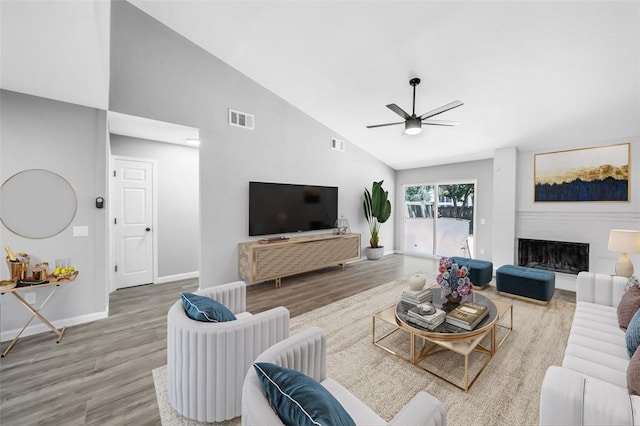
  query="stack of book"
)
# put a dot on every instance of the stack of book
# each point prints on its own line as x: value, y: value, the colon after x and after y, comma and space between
x: 467, y: 315
x: 426, y: 315
x: 416, y: 297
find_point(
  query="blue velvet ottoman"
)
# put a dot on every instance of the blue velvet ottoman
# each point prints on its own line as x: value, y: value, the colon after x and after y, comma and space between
x: 536, y: 285
x: 480, y: 271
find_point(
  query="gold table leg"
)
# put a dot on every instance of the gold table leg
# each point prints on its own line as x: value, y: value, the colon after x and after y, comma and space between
x: 437, y: 347
x: 380, y: 316
x: 35, y: 313
x: 509, y: 328
x: 466, y: 373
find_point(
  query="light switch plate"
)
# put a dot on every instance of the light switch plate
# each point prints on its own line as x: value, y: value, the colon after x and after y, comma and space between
x: 80, y: 231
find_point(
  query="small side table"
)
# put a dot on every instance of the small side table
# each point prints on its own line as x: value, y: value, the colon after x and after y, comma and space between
x: 54, y: 283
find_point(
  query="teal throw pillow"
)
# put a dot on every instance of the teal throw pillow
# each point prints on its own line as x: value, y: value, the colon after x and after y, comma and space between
x: 201, y: 308
x: 632, y: 335
x: 298, y: 399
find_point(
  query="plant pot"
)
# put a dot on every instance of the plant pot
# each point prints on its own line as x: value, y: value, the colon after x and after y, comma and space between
x: 374, y: 253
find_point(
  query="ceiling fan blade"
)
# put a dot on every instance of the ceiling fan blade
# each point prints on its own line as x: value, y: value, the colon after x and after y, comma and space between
x: 382, y: 125
x: 440, y: 110
x: 402, y: 113
x: 440, y: 123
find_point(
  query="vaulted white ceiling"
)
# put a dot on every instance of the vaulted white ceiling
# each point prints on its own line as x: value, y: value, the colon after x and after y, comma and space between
x: 538, y: 74
x: 56, y: 49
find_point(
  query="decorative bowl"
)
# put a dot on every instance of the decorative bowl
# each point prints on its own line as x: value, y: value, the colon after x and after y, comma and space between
x: 66, y: 276
x: 6, y: 284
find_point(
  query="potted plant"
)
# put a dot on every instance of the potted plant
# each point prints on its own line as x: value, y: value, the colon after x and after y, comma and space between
x: 377, y: 209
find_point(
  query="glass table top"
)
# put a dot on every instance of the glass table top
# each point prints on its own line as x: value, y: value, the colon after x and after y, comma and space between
x: 441, y: 303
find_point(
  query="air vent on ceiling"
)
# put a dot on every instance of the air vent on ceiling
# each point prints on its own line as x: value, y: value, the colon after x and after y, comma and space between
x: 241, y: 119
x: 337, y: 144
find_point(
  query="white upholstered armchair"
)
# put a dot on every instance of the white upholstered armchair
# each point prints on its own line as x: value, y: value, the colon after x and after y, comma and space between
x: 306, y: 352
x: 207, y: 362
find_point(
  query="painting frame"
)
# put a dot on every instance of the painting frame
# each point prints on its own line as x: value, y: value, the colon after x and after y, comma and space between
x: 592, y: 174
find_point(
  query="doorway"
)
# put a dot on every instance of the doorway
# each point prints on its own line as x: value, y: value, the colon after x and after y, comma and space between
x: 439, y: 219
x: 175, y: 213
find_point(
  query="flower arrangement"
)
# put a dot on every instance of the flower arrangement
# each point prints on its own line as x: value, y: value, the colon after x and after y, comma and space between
x: 453, y: 280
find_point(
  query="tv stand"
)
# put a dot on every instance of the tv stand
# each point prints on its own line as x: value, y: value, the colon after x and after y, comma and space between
x: 263, y: 262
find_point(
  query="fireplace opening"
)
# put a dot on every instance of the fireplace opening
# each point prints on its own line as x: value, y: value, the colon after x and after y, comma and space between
x: 558, y: 256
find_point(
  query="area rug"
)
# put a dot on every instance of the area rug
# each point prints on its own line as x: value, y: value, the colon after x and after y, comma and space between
x: 507, y: 392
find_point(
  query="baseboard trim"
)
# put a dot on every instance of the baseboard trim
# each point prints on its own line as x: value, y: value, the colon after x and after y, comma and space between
x: 41, y: 328
x: 177, y: 277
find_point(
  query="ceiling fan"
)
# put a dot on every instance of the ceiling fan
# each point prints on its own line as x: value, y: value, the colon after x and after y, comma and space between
x: 412, y: 123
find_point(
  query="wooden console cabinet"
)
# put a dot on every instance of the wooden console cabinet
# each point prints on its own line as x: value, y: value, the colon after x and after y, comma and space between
x: 262, y: 262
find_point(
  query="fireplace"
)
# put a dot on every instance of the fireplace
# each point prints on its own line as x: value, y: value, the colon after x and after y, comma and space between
x: 558, y: 256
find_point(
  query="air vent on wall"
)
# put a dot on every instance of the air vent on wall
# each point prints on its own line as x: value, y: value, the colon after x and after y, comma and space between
x: 337, y: 144
x: 241, y: 119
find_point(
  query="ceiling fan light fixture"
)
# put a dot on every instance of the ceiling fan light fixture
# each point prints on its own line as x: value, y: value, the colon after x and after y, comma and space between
x: 412, y: 126
x: 412, y: 122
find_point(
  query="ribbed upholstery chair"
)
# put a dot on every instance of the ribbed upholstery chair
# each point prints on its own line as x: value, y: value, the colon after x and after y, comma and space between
x: 307, y: 352
x: 207, y: 362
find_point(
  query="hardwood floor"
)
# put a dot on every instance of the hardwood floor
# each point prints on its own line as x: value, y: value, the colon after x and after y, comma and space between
x: 100, y: 374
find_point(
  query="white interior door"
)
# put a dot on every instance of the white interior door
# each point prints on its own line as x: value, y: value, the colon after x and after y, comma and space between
x: 133, y: 219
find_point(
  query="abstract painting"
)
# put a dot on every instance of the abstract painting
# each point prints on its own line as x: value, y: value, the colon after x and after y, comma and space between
x: 587, y: 174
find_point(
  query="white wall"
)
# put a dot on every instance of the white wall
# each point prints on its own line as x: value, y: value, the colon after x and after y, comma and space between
x: 587, y: 222
x: 480, y: 171
x: 178, y: 219
x: 156, y: 73
x: 505, y: 177
x: 69, y: 140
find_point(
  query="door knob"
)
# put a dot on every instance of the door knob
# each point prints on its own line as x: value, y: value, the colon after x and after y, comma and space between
x: 147, y: 229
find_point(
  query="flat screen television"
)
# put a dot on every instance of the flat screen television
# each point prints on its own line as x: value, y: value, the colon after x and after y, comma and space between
x: 276, y: 208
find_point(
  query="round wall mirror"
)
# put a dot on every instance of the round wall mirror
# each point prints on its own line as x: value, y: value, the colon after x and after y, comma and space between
x: 37, y: 203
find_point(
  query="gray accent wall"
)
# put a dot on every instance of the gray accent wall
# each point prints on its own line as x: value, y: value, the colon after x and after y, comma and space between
x: 480, y: 171
x: 157, y: 74
x: 69, y: 140
x: 178, y: 220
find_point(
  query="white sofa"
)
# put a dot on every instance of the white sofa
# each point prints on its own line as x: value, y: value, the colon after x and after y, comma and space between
x: 207, y: 362
x: 591, y: 386
x: 307, y: 352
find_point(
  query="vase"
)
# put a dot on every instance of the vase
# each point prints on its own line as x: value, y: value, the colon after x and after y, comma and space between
x: 417, y: 282
x: 456, y: 300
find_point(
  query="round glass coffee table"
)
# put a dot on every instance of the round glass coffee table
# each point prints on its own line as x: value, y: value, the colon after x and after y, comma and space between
x: 425, y: 342
x: 446, y: 330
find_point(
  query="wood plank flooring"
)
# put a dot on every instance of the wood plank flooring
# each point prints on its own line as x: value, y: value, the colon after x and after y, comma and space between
x: 100, y: 374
